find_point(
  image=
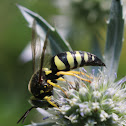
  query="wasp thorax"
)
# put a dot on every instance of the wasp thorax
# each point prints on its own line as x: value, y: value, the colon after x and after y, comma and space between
x: 39, y: 89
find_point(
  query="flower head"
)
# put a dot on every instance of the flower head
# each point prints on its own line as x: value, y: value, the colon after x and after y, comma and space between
x: 102, y: 102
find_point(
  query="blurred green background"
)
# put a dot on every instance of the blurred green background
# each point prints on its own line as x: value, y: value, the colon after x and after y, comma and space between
x: 84, y: 27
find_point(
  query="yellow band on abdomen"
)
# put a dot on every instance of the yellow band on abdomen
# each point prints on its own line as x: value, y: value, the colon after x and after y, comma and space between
x: 78, y: 58
x: 85, y: 57
x: 59, y: 64
x: 70, y: 59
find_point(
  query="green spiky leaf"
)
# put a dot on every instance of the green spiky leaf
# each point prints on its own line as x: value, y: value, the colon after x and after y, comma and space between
x: 114, y: 37
x: 57, y: 43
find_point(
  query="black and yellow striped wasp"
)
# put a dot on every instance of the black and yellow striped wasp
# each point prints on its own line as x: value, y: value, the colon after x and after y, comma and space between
x: 43, y: 80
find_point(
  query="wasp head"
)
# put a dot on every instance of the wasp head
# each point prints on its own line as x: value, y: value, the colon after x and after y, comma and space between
x: 39, y: 89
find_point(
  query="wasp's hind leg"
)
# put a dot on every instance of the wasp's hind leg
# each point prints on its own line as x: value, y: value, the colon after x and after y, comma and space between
x: 48, y: 99
x: 72, y: 74
x: 45, y: 103
x: 55, y: 85
x: 81, y: 73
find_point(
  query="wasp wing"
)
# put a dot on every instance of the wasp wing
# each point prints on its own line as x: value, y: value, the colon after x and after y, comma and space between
x: 33, y: 44
x: 35, y: 47
x: 38, y: 46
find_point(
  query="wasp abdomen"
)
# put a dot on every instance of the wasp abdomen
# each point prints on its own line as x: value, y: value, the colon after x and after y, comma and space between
x: 71, y: 60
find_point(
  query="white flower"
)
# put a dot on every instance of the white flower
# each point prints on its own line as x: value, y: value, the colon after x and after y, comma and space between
x: 96, y: 94
x: 95, y: 106
x: 103, y: 115
x: 94, y: 85
x: 115, y: 117
x: 85, y: 109
x: 108, y: 103
x: 110, y: 92
x: 83, y: 94
x: 90, y: 123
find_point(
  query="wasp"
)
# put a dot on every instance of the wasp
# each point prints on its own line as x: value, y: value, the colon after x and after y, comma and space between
x: 43, y: 80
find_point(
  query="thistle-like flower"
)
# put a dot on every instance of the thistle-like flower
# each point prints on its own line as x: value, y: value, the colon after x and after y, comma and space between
x: 100, y: 103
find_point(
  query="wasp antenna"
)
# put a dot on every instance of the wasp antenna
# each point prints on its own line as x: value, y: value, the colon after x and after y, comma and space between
x: 25, y: 115
x: 42, y: 56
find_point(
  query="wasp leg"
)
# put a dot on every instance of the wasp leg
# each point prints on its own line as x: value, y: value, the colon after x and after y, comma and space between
x: 55, y: 85
x: 71, y: 74
x: 48, y: 99
x: 61, y: 79
x: 77, y: 72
